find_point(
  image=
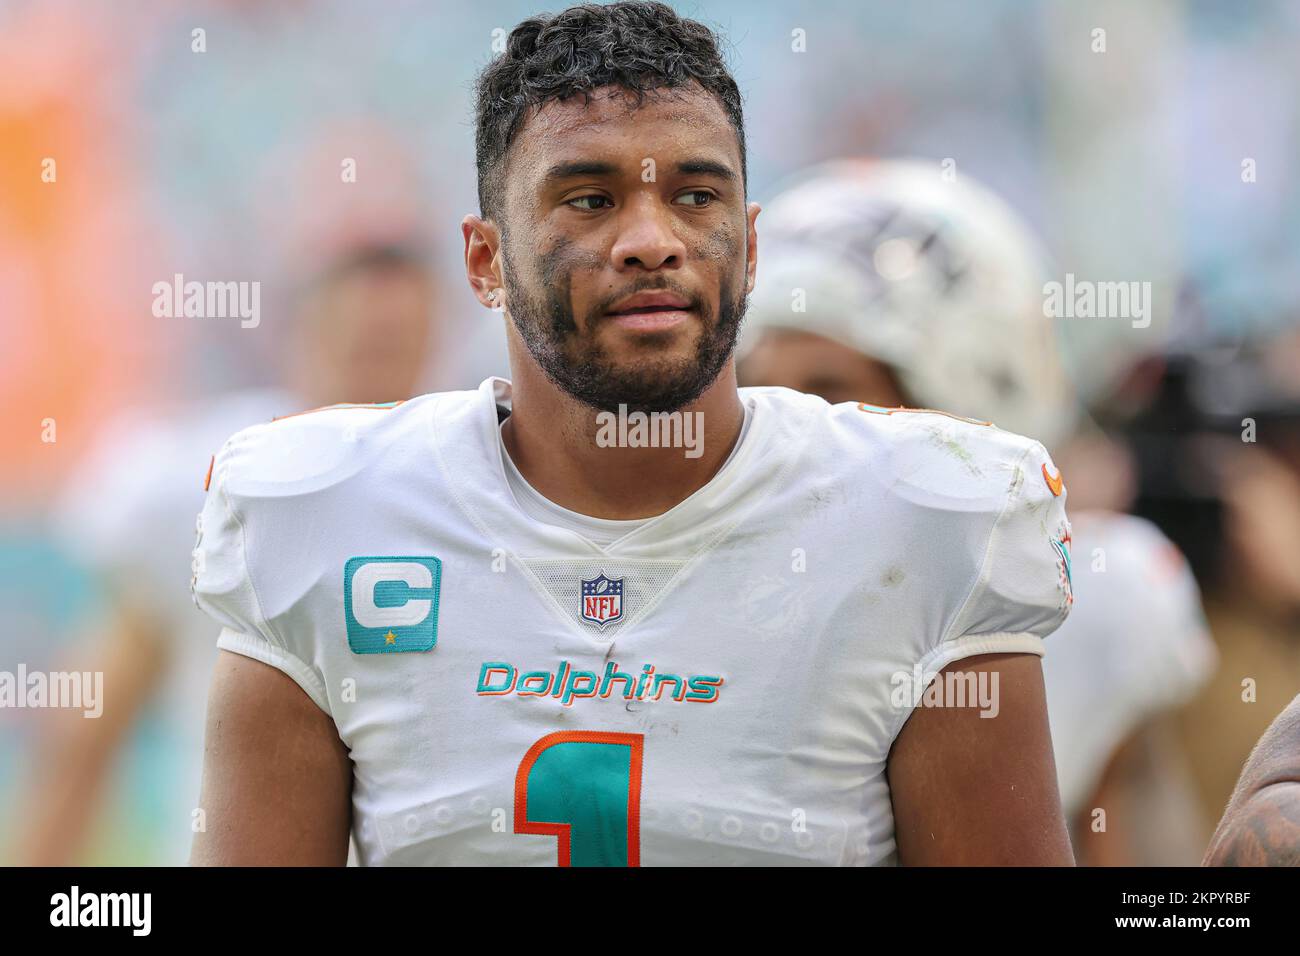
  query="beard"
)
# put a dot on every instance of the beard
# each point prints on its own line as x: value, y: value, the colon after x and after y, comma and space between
x: 582, y: 368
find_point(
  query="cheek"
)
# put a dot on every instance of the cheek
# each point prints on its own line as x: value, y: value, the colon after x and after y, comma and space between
x: 720, y: 246
x: 720, y: 253
x: 560, y: 266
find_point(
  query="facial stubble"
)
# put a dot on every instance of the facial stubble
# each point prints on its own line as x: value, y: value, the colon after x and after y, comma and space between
x: 579, y: 365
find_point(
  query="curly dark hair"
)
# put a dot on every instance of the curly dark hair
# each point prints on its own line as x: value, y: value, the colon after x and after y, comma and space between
x: 639, y: 46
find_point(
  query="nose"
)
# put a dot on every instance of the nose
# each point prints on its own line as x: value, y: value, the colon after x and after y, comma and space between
x: 645, y: 236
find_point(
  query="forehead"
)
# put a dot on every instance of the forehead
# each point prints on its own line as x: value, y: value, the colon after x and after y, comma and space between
x: 667, y: 121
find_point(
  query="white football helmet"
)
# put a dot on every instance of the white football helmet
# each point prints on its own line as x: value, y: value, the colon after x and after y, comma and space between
x: 938, y: 279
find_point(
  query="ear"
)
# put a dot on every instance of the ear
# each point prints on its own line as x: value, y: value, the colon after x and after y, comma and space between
x: 482, y: 260
x: 751, y: 245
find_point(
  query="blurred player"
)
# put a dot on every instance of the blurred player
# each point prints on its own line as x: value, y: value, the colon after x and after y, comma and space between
x: 1261, y: 826
x: 888, y: 284
x: 499, y: 627
x: 362, y: 328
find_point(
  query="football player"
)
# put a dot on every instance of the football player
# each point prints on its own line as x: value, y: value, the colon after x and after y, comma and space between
x: 894, y: 283
x: 617, y: 611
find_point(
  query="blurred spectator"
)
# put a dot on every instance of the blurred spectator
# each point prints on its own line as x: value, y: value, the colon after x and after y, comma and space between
x: 363, y: 322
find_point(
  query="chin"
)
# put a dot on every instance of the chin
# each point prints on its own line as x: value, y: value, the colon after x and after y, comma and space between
x: 654, y: 369
x: 649, y: 349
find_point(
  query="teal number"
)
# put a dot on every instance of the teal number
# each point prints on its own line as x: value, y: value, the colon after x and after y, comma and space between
x: 584, y: 788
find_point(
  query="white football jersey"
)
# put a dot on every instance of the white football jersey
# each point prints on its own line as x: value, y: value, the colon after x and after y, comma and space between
x: 721, y: 685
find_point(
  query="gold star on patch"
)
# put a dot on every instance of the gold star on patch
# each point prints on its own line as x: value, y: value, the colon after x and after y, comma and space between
x: 390, y: 638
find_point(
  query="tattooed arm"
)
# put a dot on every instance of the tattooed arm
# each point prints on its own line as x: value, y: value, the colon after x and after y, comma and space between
x: 1261, y: 826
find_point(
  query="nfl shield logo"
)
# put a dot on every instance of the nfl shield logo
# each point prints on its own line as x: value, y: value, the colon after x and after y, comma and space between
x: 602, y: 600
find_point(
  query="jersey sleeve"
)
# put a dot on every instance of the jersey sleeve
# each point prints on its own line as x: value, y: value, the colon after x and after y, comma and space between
x: 1022, y: 590
x: 223, y: 585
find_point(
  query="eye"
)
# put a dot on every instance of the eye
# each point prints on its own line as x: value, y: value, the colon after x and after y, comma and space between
x: 708, y: 197
x: 591, y: 196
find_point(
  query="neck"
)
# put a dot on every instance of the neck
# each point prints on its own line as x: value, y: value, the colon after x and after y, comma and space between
x: 558, y: 445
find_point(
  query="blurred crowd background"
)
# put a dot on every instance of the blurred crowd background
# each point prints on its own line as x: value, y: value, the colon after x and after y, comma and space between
x: 1161, y: 149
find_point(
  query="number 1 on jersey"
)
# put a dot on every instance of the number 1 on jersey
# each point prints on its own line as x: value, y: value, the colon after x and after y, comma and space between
x: 584, y: 788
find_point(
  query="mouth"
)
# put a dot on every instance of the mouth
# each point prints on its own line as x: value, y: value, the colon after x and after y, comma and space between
x: 651, y: 312
x: 651, y: 320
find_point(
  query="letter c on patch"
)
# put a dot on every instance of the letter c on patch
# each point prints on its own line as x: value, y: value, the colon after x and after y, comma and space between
x: 369, y: 576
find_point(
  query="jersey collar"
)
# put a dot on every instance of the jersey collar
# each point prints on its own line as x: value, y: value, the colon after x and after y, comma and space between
x: 466, y: 437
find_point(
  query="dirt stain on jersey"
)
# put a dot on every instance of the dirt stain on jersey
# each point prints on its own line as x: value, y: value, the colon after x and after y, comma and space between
x: 947, y: 442
x: 825, y: 500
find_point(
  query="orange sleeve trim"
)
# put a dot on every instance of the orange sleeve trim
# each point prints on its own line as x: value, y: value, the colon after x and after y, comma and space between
x: 881, y: 410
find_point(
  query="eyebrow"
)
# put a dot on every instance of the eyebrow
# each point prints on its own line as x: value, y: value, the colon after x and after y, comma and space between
x: 594, y: 167
x: 581, y: 167
x: 706, y: 167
